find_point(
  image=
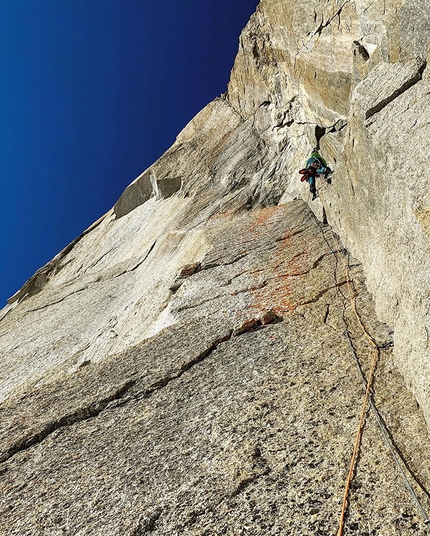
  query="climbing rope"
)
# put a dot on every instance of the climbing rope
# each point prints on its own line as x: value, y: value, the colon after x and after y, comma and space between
x: 378, y: 418
x: 366, y: 401
x: 357, y: 443
x: 386, y: 437
x: 369, y: 383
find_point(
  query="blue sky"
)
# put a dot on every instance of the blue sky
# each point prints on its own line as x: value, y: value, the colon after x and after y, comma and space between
x: 92, y: 92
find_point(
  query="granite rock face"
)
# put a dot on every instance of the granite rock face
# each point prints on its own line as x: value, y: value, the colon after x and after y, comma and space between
x: 238, y: 414
x: 352, y: 78
x: 193, y: 363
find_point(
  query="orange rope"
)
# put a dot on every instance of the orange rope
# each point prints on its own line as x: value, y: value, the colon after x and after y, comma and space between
x: 367, y: 398
x: 359, y: 435
x: 376, y: 349
x: 357, y: 443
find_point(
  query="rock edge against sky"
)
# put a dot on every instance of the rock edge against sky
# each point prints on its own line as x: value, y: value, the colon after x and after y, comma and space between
x: 187, y: 365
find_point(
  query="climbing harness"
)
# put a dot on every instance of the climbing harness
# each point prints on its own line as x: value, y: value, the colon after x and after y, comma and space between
x: 367, y: 398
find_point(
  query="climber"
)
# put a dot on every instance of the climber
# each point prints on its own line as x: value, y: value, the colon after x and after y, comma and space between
x: 310, y: 174
x: 322, y: 166
x: 315, y: 167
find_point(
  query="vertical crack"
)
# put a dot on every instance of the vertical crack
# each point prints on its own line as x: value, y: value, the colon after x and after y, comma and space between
x: 325, y: 24
x: 327, y: 313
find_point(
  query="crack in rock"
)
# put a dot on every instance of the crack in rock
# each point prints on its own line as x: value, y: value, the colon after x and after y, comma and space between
x: 101, y: 258
x: 327, y: 313
x: 294, y: 233
x: 249, y: 289
x: 315, y: 264
x: 269, y: 317
x: 321, y: 294
x: 139, y: 263
x: 112, y: 401
x: 58, y: 301
x: 199, y: 304
x: 81, y: 414
x: 325, y: 24
x: 163, y: 382
x: 214, y: 264
x: 404, y: 87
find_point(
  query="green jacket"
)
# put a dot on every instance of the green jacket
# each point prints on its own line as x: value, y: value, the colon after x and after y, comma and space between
x: 316, y: 155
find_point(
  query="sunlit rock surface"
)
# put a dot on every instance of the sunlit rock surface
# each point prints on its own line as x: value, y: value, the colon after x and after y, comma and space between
x: 188, y: 364
x: 237, y: 414
x: 352, y: 75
